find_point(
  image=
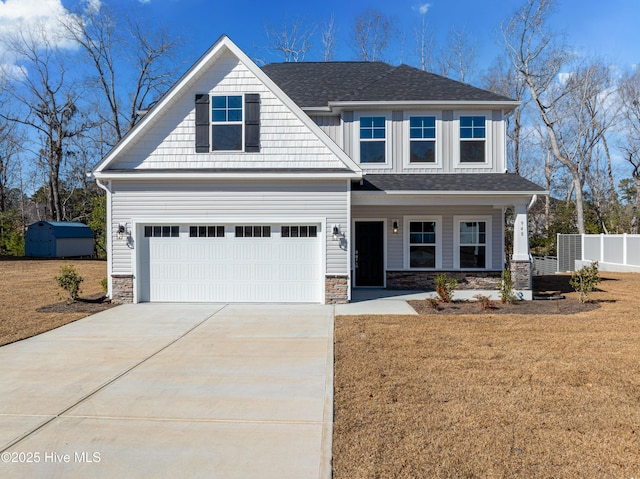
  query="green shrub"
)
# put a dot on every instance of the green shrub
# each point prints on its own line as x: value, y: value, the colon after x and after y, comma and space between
x: 70, y: 280
x: 445, y: 287
x: 507, y: 296
x: 585, y: 280
x: 105, y: 285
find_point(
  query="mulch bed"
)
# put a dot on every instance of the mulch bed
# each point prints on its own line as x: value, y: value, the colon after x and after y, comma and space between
x: 548, y: 306
x: 90, y: 304
x: 549, y: 298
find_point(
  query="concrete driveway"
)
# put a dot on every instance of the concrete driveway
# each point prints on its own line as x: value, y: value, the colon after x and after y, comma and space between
x: 172, y: 390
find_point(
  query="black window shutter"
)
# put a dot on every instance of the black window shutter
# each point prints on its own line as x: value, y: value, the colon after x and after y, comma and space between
x: 202, y: 123
x: 252, y: 122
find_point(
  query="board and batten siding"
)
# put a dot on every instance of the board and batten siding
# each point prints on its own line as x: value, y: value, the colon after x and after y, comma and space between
x: 231, y: 202
x: 448, y: 139
x: 331, y: 125
x: 395, y: 246
x: 169, y: 141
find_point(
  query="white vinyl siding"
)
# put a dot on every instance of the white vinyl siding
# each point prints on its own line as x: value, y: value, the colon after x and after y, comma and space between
x: 230, y: 202
x: 331, y: 126
x: 396, y: 242
x: 285, y: 141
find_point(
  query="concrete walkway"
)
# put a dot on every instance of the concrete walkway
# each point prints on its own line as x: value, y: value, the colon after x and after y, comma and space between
x: 161, y: 390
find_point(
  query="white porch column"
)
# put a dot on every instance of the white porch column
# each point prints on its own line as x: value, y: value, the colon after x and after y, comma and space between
x: 520, y: 234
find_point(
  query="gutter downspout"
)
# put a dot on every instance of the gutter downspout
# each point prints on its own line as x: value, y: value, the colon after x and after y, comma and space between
x: 107, y: 187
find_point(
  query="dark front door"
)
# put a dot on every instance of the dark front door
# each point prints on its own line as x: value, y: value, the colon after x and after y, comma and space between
x: 369, y: 253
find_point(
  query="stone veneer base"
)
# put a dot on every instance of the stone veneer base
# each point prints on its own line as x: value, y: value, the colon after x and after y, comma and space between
x: 121, y: 288
x: 336, y: 289
x: 467, y: 280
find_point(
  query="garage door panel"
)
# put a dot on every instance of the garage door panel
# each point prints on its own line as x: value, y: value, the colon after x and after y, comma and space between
x: 229, y: 269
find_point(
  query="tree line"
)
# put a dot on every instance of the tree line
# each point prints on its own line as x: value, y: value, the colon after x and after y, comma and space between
x: 576, y: 131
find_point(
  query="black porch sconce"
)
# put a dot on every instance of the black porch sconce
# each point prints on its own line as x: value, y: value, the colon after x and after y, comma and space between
x: 395, y: 227
x: 336, y: 232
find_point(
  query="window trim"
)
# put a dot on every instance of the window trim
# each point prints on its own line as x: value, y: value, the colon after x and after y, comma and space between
x: 406, y: 133
x: 488, y: 135
x: 406, y: 220
x: 240, y: 123
x: 488, y: 244
x: 388, y: 124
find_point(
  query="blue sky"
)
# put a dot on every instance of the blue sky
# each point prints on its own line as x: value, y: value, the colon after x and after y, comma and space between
x: 592, y: 27
x: 595, y: 28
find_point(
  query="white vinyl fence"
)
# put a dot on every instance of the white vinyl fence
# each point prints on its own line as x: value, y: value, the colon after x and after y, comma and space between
x: 612, y: 252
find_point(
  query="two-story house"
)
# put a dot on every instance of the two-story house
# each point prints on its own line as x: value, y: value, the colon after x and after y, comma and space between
x: 297, y: 182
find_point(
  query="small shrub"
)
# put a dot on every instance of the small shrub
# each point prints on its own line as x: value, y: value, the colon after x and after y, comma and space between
x: 507, y: 296
x: 486, y: 303
x: 105, y: 285
x: 433, y: 302
x: 70, y: 280
x: 585, y: 280
x: 445, y: 287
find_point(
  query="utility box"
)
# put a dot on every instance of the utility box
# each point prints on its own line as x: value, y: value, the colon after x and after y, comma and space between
x: 58, y: 239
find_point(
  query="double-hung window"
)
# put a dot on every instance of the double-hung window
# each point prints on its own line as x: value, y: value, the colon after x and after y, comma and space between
x: 473, y: 244
x: 373, y: 139
x: 472, y: 139
x: 423, y: 240
x: 422, y: 139
x: 226, y: 123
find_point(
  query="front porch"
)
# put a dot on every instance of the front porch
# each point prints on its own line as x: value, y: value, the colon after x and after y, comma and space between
x: 402, y: 239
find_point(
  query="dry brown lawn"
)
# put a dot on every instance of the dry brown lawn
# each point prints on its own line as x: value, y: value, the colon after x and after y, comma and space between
x: 28, y: 285
x: 492, y: 395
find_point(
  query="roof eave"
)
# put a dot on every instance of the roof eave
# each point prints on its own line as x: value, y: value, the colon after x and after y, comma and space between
x: 202, y: 175
x: 338, y: 106
x: 453, y: 192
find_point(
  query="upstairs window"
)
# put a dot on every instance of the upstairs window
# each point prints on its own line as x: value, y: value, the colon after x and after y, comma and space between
x: 422, y: 135
x: 373, y: 143
x: 226, y: 123
x: 472, y: 139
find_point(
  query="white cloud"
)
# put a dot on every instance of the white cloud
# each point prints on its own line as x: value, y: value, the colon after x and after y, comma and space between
x: 43, y: 16
x: 92, y: 6
x: 422, y: 8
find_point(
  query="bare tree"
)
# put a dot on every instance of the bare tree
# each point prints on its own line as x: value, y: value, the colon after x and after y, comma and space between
x: 424, y: 43
x: 113, y: 49
x: 457, y: 60
x: 50, y: 100
x: 629, y: 94
x: 372, y: 32
x: 328, y: 38
x: 538, y: 57
x: 292, y: 40
x: 502, y: 79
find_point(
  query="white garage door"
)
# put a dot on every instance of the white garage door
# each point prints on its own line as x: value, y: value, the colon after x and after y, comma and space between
x: 232, y: 263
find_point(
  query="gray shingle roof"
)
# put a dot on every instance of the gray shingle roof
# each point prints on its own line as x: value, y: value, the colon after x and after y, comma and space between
x: 482, y: 182
x: 316, y: 84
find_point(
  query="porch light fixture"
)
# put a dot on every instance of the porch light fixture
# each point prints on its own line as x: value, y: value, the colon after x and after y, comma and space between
x: 395, y: 227
x: 123, y: 230
x: 336, y: 232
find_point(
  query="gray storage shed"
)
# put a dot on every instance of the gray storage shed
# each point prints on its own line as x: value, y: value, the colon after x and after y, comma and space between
x: 56, y: 239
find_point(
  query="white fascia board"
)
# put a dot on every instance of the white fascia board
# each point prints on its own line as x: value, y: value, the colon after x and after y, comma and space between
x: 506, y: 105
x: 139, y: 175
x: 193, y: 72
x: 496, y: 200
x: 463, y: 193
